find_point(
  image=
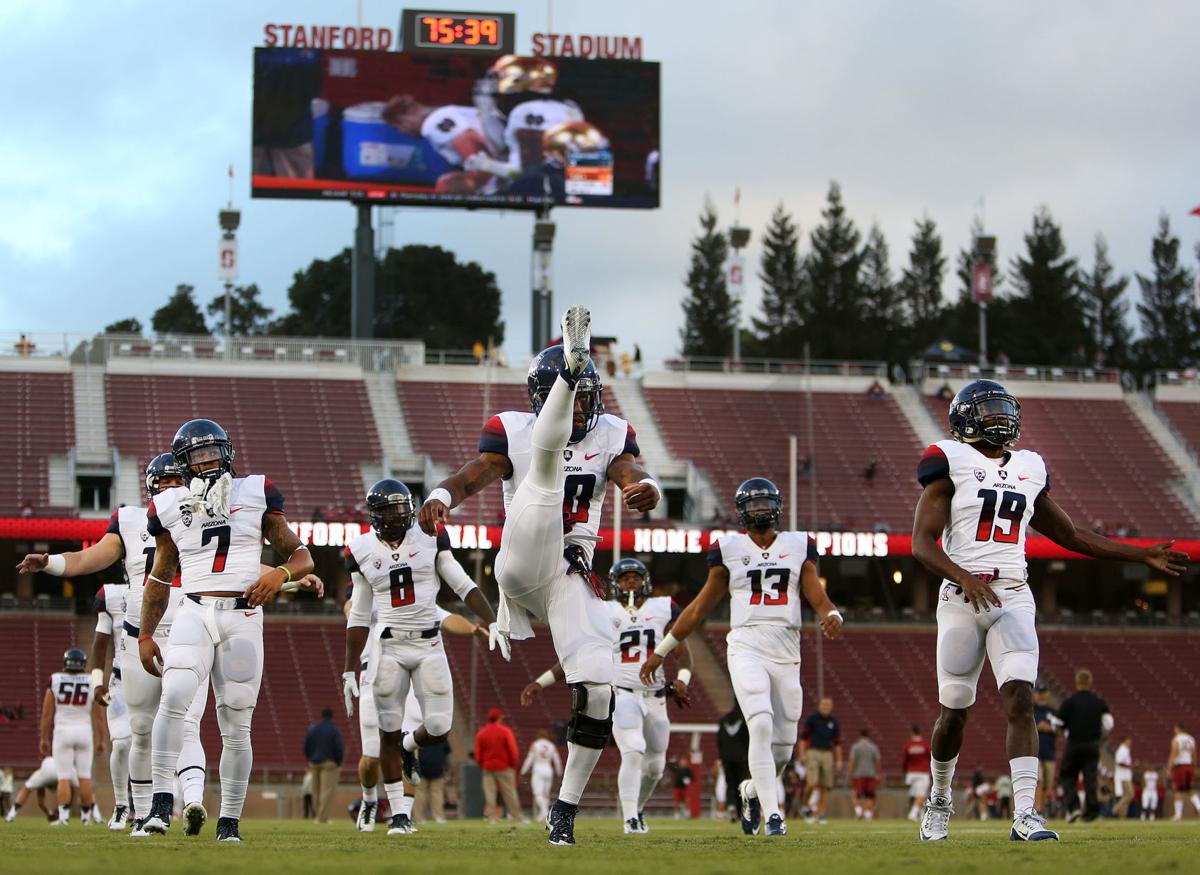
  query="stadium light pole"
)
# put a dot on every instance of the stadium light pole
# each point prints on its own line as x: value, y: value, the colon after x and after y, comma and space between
x: 981, y: 287
x: 812, y: 500
x: 542, y: 298
x: 362, y: 277
x: 735, y: 281
x: 229, y: 219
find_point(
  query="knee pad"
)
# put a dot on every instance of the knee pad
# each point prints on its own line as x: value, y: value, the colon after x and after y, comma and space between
x: 235, y: 726
x: 585, y: 729
x: 957, y: 695
x: 141, y: 722
x: 958, y: 650
x: 239, y: 696
x: 437, y: 724
x: 178, y: 687
x: 654, y: 764
x: 183, y: 657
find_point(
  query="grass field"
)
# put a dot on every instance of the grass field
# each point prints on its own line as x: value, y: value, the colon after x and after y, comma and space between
x: 274, y: 846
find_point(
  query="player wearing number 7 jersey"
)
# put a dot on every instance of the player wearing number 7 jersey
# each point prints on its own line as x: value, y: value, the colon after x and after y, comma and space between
x: 764, y: 571
x: 979, y: 496
x: 212, y: 531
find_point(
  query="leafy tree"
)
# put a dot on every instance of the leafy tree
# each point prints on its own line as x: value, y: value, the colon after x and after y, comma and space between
x: 883, y: 305
x: 131, y: 325
x: 1106, y: 312
x: 709, y: 311
x: 784, y: 304
x: 248, y: 315
x: 1167, y: 311
x: 1047, y: 307
x: 179, y: 315
x: 921, y: 287
x: 320, y: 299
x: 831, y: 270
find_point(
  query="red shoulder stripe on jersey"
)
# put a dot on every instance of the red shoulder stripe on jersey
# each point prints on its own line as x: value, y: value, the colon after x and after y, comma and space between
x: 631, y: 444
x: 153, y: 526
x: 114, y: 524
x: 351, y: 562
x: 493, y: 438
x: 933, y: 465
x: 714, y: 555
x: 675, y: 610
x: 443, y: 538
x: 273, y: 495
x: 812, y: 555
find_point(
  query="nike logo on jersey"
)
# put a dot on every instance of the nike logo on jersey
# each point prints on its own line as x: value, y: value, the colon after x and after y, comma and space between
x: 1022, y: 476
x: 588, y: 458
x: 784, y: 555
x: 411, y: 555
x: 248, y: 613
x: 234, y: 510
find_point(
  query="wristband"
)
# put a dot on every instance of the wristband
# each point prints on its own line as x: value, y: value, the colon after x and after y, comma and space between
x: 285, y: 570
x: 97, y: 677
x: 546, y: 679
x: 669, y: 643
x: 142, y: 638
x: 442, y: 495
x: 684, y: 676
x: 56, y: 564
x: 836, y: 613
x: 156, y: 580
x: 653, y: 483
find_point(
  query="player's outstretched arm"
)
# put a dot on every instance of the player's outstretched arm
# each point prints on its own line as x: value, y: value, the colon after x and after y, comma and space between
x: 933, y: 512
x: 471, y: 478
x: 715, y: 589
x: 47, y: 723
x: 299, y: 562
x: 155, y: 599
x: 639, y: 490
x: 1053, y: 522
x: 545, y: 679
x: 828, y: 615
x: 456, y: 624
x: 95, y: 558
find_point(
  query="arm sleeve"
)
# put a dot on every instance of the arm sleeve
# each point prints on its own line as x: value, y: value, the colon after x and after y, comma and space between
x: 153, y: 526
x: 933, y: 465
x: 273, y: 496
x: 453, y: 574
x: 360, y: 603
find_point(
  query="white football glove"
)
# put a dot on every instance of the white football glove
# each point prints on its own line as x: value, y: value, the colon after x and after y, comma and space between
x: 497, y: 639
x: 349, y: 691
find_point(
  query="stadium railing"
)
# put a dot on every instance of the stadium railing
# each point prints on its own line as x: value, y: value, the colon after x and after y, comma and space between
x: 1042, y: 373
x: 719, y: 364
x: 370, y: 355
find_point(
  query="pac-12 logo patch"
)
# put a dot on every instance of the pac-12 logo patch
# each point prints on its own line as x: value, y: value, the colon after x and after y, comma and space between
x: 567, y: 454
x: 979, y: 474
x: 745, y: 560
x: 1003, y: 474
x: 378, y: 564
x: 145, y: 535
x: 185, y: 516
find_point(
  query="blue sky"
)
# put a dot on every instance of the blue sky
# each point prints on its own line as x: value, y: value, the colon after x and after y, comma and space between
x: 123, y: 117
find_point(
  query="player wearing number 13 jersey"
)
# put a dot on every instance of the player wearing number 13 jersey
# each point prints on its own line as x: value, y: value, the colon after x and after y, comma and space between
x: 979, y: 497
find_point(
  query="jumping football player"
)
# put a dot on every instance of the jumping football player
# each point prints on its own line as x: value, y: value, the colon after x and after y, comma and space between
x: 641, y: 727
x: 556, y: 464
x: 764, y: 571
x: 397, y: 571
x: 71, y: 714
x: 212, y: 532
x: 979, y: 497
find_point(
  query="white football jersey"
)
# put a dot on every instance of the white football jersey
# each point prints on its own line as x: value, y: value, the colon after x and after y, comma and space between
x: 129, y: 524
x: 764, y: 592
x: 543, y: 756
x: 1150, y: 779
x: 536, y: 115
x: 217, y: 554
x: 403, y: 579
x: 72, y: 699
x: 1185, y: 749
x: 638, y: 632
x: 445, y: 125
x: 585, y: 465
x: 992, y: 505
x: 110, y: 618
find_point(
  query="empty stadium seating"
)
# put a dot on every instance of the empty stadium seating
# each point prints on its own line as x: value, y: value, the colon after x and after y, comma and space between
x: 31, y: 649
x: 1104, y: 467
x: 734, y: 435
x: 1185, y: 417
x: 38, y: 422
x: 309, y: 436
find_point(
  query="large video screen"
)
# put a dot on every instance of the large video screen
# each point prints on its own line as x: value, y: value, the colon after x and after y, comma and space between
x: 454, y: 130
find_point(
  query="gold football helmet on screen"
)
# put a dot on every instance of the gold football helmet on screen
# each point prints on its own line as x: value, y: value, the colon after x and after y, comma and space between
x: 515, y: 74
x: 573, y: 136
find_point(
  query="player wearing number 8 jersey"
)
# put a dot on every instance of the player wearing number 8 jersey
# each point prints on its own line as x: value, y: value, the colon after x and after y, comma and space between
x: 764, y: 571
x: 979, y: 496
x: 212, y: 530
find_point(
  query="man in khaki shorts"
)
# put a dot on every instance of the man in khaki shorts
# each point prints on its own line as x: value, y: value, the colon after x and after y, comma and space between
x: 821, y: 744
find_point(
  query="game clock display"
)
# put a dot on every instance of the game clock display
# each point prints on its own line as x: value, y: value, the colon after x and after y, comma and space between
x: 439, y: 31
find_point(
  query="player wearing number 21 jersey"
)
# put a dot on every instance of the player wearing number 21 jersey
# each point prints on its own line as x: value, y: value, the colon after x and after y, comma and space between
x: 764, y: 571
x: 979, y: 498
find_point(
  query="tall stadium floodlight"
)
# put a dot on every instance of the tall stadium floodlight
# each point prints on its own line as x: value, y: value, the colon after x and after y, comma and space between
x: 735, y: 281
x: 981, y: 287
x: 362, y: 277
x: 229, y: 219
x: 542, y: 301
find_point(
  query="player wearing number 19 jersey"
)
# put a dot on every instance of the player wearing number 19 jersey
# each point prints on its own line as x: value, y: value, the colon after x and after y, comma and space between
x: 979, y: 496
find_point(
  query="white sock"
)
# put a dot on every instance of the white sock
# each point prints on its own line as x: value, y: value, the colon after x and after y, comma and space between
x: 395, y: 796
x: 943, y: 776
x: 64, y: 813
x: 581, y: 762
x: 653, y: 765
x: 410, y: 742
x: 406, y: 805
x: 551, y: 431
x: 85, y: 815
x: 762, y: 763
x: 237, y: 758
x: 370, y: 794
x: 118, y: 767
x: 1024, y: 783
x: 191, y: 783
x: 629, y: 783
x: 1179, y: 808
x: 178, y: 688
x: 1196, y: 802
x: 858, y: 811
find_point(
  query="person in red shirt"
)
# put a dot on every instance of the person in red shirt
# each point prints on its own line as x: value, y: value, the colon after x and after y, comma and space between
x: 916, y: 771
x: 497, y: 754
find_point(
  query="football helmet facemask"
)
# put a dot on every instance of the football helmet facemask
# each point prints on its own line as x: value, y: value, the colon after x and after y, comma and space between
x: 983, y: 410
x: 617, y: 590
x: 390, y: 509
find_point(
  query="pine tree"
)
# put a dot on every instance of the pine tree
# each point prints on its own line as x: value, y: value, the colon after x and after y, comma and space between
x: 921, y: 287
x: 831, y: 270
x: 784, y: 306
x: 1106, y: 312
x: 1047, y: 307
x: 1167, y: 311
x: 709, y: 311
x: 179, y: 315
x: 248, y: 315
x: 883, y: 304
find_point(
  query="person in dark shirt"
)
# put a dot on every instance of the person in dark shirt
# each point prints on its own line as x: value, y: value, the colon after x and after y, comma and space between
x: 821, y: 742
x: 431, y: 792
x: 733, y: 749
x: 324, y: 750
x: 1045, y: 718
x: 682, y: 776
x: 1085, y: 718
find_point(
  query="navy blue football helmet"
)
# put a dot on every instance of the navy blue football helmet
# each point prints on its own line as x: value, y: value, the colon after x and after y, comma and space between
x: 199, y: 441
x: 983, y: 410
x: 391, y: 509
x: 74, y: 660
x: 159, y: 467
x: 625, y: 566
x: 544, y: 370
x: 758, y: 491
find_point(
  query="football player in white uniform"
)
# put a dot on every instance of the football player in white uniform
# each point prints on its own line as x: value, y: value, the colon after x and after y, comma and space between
x: 110, y: 620
x: 397, y: 569
x: 556, y: 464
x: 71, y: 715
x: 978, y: 498
x: 212, y: 532
x: 45, y: 778
x: 641, y: 727
x: 543, y: 764
x: 1181, y: 763
x: 764, y: 571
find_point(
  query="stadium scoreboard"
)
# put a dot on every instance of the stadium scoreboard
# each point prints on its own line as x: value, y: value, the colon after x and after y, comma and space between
x: 423, y: 30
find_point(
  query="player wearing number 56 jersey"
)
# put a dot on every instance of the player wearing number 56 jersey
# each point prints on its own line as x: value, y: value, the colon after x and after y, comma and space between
x: 212, y: 530
x: 979, y: 497
x: 764, y: 571
x: 68, y: 714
